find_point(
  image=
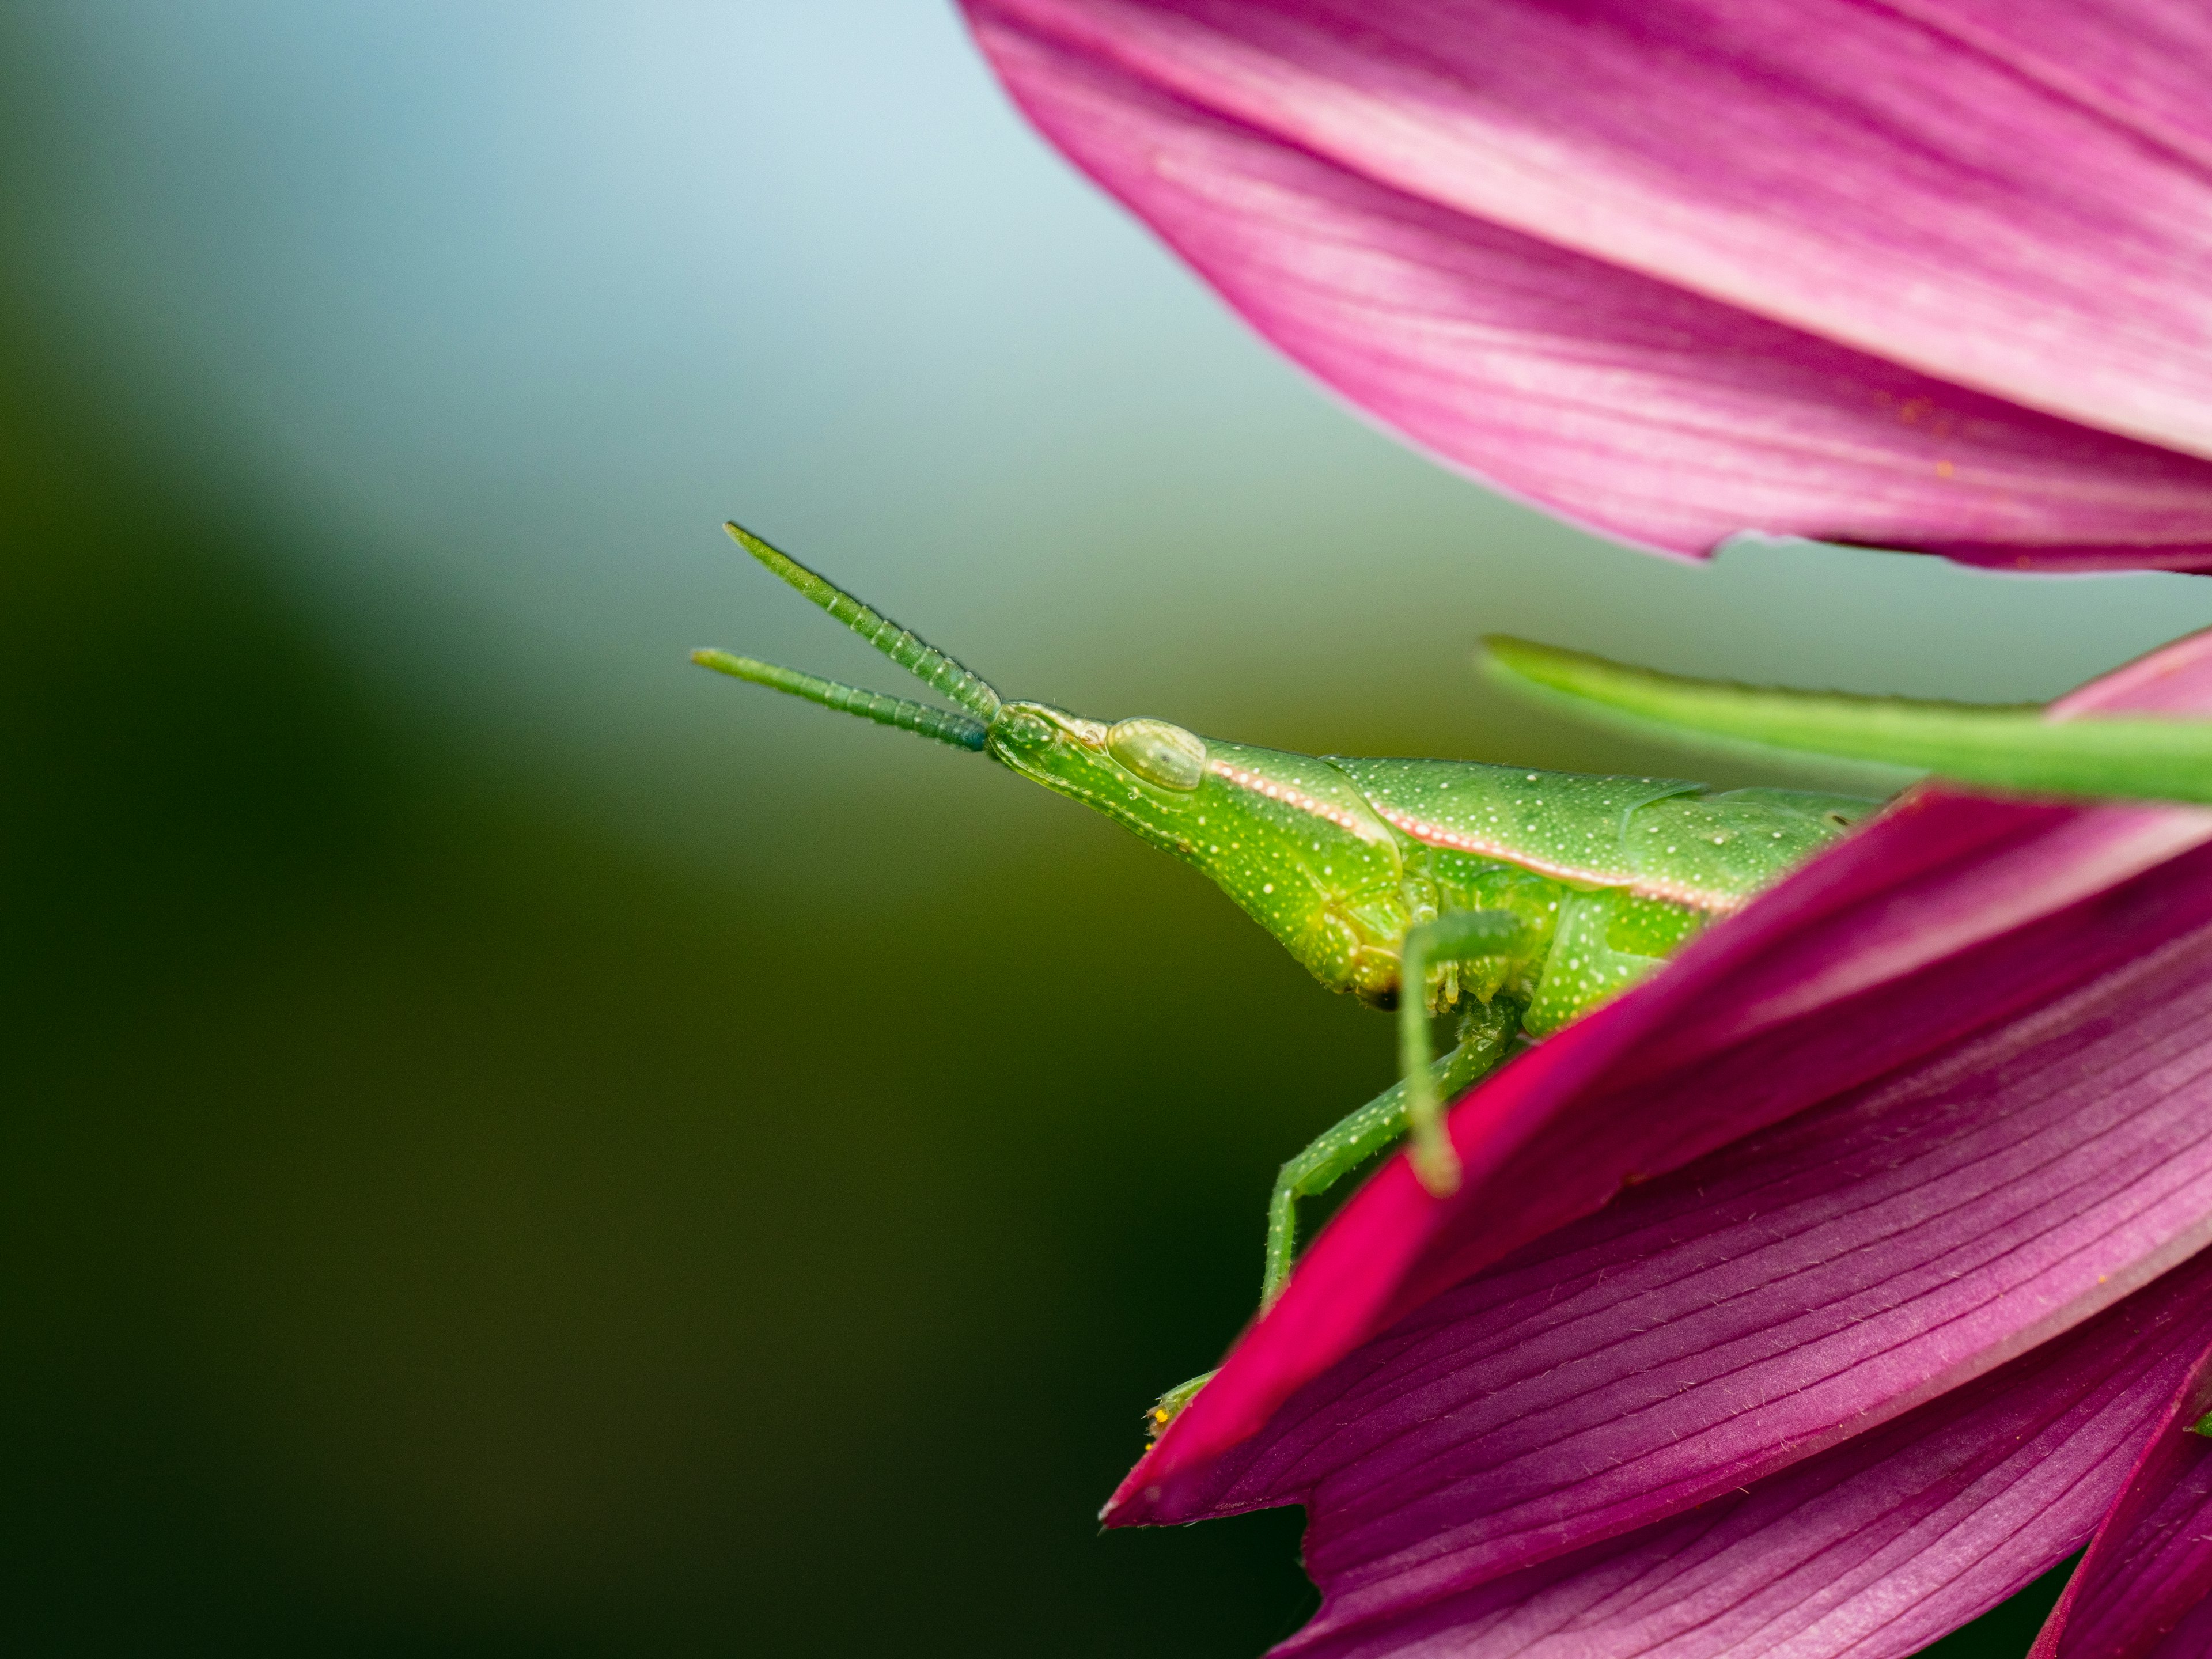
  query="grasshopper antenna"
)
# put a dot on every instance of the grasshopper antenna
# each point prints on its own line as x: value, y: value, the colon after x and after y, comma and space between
x: 941, y: 673
x: 904, y: 712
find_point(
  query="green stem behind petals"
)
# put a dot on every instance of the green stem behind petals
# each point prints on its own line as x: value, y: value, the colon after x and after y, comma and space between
x: 2012, y: 748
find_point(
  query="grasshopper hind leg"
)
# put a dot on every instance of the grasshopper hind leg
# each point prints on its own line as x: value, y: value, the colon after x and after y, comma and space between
x: 1486, y: 1029
x: 1486, y: 1032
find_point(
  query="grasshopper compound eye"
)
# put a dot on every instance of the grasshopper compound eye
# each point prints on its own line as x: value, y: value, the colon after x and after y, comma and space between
x: 1020, y: 728
x: 1158, y: 752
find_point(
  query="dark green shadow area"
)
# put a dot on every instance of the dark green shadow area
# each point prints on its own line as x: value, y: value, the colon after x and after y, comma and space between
x: 432, y: 1228
x: 428, y: 1226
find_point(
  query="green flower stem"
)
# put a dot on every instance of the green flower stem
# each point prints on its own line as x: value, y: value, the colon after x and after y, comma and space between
x: 2012, y: 748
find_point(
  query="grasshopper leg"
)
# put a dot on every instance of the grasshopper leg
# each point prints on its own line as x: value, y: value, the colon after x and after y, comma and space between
x: 1461, y: 936
x: 1485, y: 1031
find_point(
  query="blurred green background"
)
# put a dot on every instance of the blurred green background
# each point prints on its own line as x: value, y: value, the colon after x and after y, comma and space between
x: 516, y: 1146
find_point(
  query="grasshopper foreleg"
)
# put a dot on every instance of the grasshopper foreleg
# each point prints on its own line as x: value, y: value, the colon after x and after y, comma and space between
x: 1461, y: 936
x: 1486, y: 1030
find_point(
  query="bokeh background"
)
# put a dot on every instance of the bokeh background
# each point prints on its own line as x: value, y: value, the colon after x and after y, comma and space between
x: 514, y: 1147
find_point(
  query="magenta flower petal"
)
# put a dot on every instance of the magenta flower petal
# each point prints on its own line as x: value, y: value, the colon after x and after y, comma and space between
x: 1874, y: 1547
x: 1835, y: 1270
x: 1681, y: 270
x: 1942, y: 917
x: 2150, y: 1567
x: 2191, y: 1637
x: 1989, y: 1028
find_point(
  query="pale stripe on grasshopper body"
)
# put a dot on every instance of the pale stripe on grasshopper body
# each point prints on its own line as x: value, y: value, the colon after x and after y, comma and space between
x: 1524, y: 898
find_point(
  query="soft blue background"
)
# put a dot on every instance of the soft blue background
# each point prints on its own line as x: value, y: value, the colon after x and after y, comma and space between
x: 530, y: 1149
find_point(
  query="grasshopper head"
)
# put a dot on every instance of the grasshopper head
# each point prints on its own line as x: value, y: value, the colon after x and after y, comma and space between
x: 1146, y: 773
x: 1285, y: 836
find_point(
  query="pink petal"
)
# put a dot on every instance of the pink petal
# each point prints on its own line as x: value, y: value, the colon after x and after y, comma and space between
x: 2174, y: 679
x: 2191, y: 1637
x: 2140, y: 66
x: 1557, y: 1133
x: 1873, y: 1548
x: 1795, y: 1288
x: 1684, y: 275
x: 1895, y: 944
x: 2150, y: 1566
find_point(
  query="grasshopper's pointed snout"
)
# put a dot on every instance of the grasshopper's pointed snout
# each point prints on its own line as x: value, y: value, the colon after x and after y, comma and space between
x: 933, y: 667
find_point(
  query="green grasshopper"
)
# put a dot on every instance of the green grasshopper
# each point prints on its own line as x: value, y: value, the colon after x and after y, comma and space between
x: 1517, y: 899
